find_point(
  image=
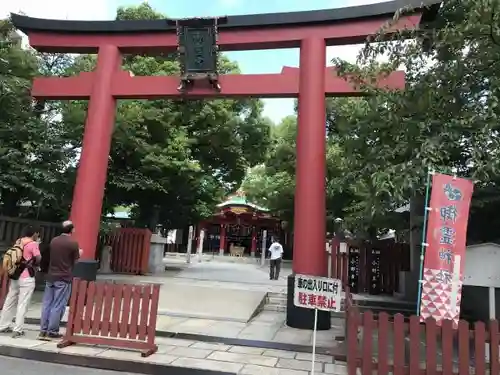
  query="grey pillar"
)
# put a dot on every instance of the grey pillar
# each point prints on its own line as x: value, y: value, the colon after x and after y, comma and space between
x: 156, y: 252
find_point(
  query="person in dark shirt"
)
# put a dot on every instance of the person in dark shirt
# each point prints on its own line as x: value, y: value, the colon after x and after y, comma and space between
x: 64, y: 253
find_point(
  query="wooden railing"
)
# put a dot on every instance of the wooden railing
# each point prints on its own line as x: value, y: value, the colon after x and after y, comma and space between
x: 388, y: 345
x: 370, y: 267
x: 130, y: 250
x: 116, y: 315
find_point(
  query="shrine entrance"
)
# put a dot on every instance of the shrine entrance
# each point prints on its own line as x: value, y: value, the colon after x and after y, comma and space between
x: 197, y: 43
x: 240, y: 228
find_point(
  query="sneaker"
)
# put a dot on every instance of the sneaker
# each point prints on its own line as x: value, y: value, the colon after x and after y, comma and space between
x: 6, y: 330
x: 17, y: 334
x: 43, y: 336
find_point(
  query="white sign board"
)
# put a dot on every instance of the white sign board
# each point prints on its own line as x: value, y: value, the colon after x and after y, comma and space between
x: 321, y: 293
x: 481, y: 267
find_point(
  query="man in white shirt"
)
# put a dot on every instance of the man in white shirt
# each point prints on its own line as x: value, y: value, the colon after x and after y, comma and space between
x: 276, y: 251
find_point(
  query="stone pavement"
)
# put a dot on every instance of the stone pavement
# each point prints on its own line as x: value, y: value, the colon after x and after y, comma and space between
x: 224, y: 278
x: 267, y: 326
x: 192, y: 354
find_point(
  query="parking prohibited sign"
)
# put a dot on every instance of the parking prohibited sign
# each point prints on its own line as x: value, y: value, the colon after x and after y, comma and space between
x: 320, y: 293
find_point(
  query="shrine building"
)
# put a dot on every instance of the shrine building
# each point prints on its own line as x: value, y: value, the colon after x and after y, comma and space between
x: 240, y: 228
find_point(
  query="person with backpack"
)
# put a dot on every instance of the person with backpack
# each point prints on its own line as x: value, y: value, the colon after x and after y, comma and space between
x: 20, y: 263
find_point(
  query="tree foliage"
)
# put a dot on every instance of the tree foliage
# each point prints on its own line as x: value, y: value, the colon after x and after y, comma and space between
x: 33, y: 152
x: 445, y: 120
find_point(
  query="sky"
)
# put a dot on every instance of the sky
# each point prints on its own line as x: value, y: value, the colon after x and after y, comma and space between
x: 250, y: 62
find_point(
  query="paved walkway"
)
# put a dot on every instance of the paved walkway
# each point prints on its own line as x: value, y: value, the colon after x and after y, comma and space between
x: 268, y: 326
x: 225, y: 278
x: 195, y: 354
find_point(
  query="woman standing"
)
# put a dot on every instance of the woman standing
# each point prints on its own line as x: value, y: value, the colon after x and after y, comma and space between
x: 22, y: 281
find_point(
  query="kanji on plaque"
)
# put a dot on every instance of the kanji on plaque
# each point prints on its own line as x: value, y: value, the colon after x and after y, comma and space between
x: 317, y: 293
x: 445, y: 248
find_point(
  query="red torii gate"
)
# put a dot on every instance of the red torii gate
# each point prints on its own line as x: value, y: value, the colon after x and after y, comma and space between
x: 311, y: 31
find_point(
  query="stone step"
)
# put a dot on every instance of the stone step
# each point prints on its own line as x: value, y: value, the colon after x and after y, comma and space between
x: 366, y: 303
x: 276, y: 300
x: 276, y: 295
x: 281, y: 306
x: 275, y: 308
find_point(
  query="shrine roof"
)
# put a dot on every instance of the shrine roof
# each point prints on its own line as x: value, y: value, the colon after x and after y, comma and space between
x: 252, y: 21
x: 239, y: 199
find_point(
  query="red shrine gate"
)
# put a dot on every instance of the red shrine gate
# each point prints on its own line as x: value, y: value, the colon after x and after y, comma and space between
x: 311, y: 31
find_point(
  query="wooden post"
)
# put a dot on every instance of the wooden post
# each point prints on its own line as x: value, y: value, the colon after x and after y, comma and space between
x: 253, y: 247
x: 222, y: 242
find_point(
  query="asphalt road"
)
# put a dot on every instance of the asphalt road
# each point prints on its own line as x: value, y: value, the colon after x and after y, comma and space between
x: 14, y: 366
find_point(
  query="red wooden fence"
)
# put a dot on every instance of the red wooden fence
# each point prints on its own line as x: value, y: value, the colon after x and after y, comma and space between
x: 392, y: 346
x: 119, y: 315
x: 4, y: 288
x: 130, y: 250
x: 370, y: 267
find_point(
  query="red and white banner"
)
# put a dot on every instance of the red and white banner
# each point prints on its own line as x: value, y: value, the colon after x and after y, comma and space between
x: 445, y: 248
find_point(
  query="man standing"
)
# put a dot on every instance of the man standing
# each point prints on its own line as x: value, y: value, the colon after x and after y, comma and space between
x: 276, y: 251
x: 64, y: 253
x: 20, y: 264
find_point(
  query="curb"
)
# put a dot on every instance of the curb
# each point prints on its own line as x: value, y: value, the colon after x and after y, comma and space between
x: 109, y: 364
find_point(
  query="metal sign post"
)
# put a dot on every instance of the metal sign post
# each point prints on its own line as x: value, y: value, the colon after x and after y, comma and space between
x: 318, y: 293
x: 313, y: 359
x: 455, y: 284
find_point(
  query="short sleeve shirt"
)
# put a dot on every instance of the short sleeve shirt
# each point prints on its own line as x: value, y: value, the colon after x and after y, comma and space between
x: 64, y: 253
x: 30, y: 251
x: 276, y: 250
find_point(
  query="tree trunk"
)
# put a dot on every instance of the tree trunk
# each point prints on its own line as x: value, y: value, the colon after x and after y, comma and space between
x: 10, y: 200
x: 149, y: 216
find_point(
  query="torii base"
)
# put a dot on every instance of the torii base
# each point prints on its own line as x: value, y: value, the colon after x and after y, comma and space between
x: 298, y: 317
x: 86, y: 270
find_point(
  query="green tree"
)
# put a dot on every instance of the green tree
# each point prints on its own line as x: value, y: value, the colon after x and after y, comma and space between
x: 447, y: 117
x: 33, y: 153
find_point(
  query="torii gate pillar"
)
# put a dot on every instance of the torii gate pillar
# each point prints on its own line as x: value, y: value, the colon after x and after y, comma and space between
x: 92, y: 171
x: 309, y: 255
